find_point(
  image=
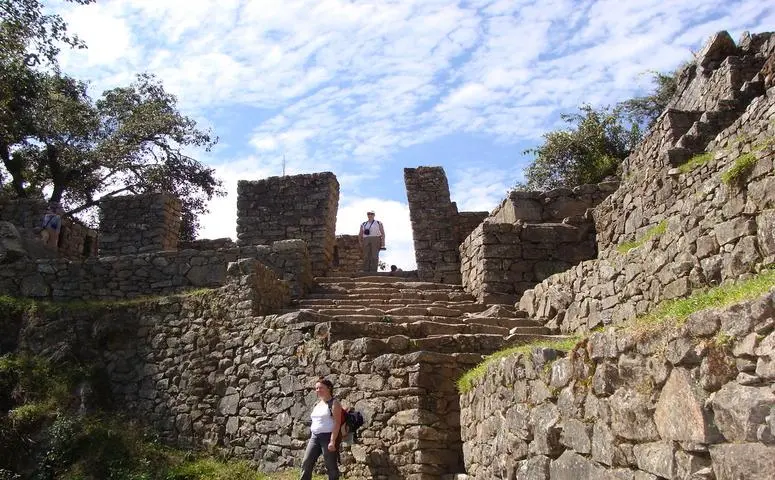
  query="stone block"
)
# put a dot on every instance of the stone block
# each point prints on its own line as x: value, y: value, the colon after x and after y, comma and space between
x: 681, y: 413
x: 572, y: 466
x: 535, y: 468
x: 656, y: 458
x: 737, y: 461
x: 740, y: 410
x: 577, y: 435
x: 631, y: 416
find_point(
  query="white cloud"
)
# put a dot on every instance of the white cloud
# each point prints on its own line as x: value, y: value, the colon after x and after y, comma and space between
x: 346, y: 86
x: 395, y: 218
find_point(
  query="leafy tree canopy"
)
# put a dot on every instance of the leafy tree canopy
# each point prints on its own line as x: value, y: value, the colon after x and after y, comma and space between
x: 646, y: 109
x: 56, y: 141
x: 590, y: 149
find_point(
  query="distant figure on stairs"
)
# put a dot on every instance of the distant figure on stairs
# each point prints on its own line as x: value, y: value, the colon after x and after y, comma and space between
x: 52, y: 225
x: 394, y: 270
x: 372, y: 239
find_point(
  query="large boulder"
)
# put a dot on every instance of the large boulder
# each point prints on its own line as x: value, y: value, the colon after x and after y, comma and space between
x: 719, y: 47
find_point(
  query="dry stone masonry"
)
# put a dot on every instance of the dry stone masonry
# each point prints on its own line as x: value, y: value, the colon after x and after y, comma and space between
x: 26, y: 215
x: 528, y: 237
x: 694, y: 402
x: 231, y: 368
x: 348, y: 255
x: 437, y: 226
x: 713, y: 230
x: 139, y: 223
x: 291, y: 207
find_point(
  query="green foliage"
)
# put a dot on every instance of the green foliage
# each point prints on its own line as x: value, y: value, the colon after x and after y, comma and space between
x: 466, y: 382
x: 648, y: 108
x: 696, y: 161
x: 55, y: 140
x: 678, y: 310
x: 655, y: 231
x: 588, y: 151
x: 740, y: 169
x: 211, y: 469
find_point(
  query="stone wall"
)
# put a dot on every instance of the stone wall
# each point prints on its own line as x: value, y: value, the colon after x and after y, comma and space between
x: 75, y: 240
x: 437, y: 227
x: 159, y: 273
x: 720, y: 70
x: 348, y: 255
x: 291, y: 207
x: 139, y: 224
x: 502, y: 260
x: 553, y: 206
x: 692, y: 402
x: 467, y: 223
x: 214, y: 370
x: 528, y: 237
x: 713, y: 231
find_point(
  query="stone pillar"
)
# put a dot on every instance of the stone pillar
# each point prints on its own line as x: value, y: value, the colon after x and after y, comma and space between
x: 139, y: 223
x: 300, y: 207
x: 348, y: 255
x: 434, y: 224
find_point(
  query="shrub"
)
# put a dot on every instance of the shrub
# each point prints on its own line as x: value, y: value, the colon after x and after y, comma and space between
x: 740, y: 169
x: 652, y: 232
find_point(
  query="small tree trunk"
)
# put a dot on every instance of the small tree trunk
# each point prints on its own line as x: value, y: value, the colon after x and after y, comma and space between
x: 14, y: 167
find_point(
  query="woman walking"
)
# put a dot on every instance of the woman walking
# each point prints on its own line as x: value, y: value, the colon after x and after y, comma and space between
x: 326, y: 424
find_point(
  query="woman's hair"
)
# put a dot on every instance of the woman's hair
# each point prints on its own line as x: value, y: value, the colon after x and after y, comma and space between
x: 328, y: 383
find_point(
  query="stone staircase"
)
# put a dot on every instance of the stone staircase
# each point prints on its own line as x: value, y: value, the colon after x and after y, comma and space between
x: 403, y: 315
x: 405, y: 343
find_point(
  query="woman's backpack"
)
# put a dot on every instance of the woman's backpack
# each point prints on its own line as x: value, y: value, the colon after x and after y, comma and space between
x: 351, y: 421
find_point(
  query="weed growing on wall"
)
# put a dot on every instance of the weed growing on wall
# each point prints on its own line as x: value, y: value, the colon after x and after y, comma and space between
x: 466, y: 382
x: 667, y: 315
x: 652, y: 232
x: 742, y: 167
x: 696, y: 161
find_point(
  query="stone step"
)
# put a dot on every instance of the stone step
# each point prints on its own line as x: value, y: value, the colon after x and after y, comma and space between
x: 465, y: 306
x: 382, y: 280
x: 403, y: 274
x: 442, y: 296
x: 500, y: 322
x: 479, y: 344
x: 344, y: 330
x: 367, y: 286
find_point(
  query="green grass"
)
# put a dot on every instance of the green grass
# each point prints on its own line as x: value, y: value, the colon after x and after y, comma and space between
x: 16, y: 305
x: 466, y: 382
x: 696, y: 161
x: 740, y: 169
x: 668, y: 314
x: 676, y: 311
x: 652, y: 232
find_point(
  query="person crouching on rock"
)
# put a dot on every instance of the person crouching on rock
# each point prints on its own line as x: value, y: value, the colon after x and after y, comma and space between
x: 326, y: 425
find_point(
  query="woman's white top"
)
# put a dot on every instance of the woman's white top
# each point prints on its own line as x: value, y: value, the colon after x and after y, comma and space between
x: 322, y: 420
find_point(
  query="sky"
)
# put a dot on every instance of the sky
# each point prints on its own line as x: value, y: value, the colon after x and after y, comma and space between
x: 366, y: 88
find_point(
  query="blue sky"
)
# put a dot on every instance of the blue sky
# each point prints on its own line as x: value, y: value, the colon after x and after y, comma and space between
x: 364, y: 89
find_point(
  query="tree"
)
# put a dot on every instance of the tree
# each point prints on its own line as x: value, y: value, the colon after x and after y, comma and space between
x: 646, y: 109
x: 29, y: 36
x: 54, y: 138
x: 587, y: 152
x: 132, y: 140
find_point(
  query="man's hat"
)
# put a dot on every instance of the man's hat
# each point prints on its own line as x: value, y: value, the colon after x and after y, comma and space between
x: 370, y: 212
